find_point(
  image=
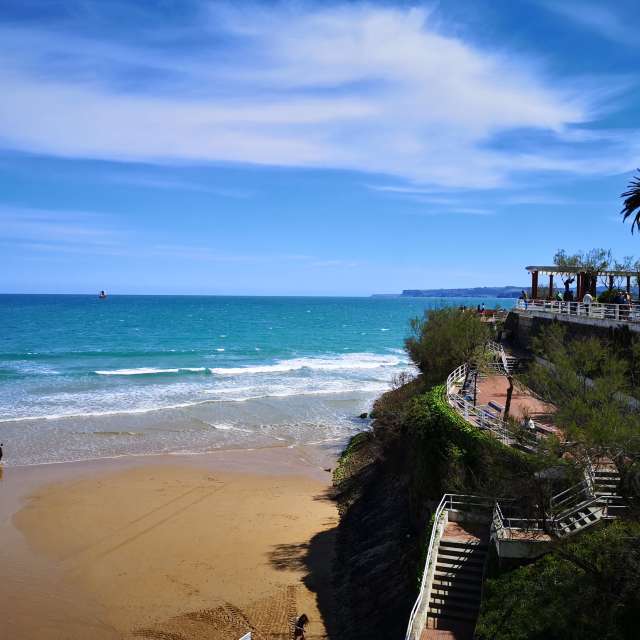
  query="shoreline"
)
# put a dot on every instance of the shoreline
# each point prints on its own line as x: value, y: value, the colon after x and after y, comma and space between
x: 331, y: 457
x: 119, y: 545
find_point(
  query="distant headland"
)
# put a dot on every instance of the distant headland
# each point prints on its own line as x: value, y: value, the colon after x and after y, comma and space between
x: 473, y: 292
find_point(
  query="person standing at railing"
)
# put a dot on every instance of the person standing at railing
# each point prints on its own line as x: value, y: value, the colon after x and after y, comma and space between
x: 628, y: 304
x: 524, y: 298
x: 587, y: 300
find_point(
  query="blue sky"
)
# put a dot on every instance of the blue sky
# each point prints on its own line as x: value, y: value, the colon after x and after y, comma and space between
x: 169, y: 146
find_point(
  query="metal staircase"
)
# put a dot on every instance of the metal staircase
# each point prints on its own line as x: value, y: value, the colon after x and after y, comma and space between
x: 593, y: 499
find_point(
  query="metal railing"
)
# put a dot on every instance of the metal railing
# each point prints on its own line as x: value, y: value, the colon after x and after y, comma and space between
x: 508, y: 527
x: 595, y: 310
x: 418, y: 616
x: 475, y: 415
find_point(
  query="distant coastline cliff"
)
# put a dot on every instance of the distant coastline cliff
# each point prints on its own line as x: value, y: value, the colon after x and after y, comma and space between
x: 473, y: 292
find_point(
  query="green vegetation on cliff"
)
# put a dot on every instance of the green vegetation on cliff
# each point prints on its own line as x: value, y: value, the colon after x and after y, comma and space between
x: 589, y: 587
x: 443, y: 340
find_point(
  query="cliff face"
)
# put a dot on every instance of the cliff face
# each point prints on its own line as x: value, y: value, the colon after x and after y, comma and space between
x: 376, y: 546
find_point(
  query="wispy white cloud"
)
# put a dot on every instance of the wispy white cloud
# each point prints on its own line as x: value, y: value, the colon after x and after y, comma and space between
x: 599, y: 18
x: 402, y: 190
x: 212, y: 254
x: 69, y: 227
x: 164, y: 183
x: 335, y: 264
x: 354, y: 86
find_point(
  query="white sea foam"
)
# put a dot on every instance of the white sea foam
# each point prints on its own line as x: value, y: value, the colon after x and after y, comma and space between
x: 230, y: 395
x: 352, y: 361
x: 146, y: 371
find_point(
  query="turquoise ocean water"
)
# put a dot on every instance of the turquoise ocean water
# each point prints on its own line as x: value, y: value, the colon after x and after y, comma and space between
x: 82, y: 378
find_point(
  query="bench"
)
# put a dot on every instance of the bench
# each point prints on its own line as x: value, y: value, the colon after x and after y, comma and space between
x: 498, y: 407
x: 488, y: 413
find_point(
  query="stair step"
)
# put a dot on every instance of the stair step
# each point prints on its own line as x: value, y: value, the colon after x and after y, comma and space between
x: 614, y: 509
x: 461, y: 566
x: 571, y: 522
x: 452, y: 556
x: 455, y: 578
x: 452, y: 615
x: 460, y: 569
x: 457, y: 605
x: 455, y: 595
x: 449, y: 542
x: 443, y: 580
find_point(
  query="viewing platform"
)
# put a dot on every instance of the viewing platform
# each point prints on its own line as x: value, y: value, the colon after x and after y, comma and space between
x: 596, y: 313
x: 576, y: 300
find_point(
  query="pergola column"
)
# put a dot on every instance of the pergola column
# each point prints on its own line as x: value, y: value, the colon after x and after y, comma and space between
x: 579, y: 287
x: 629, y: 285
x: 534, y: 285
x: 551, y: 286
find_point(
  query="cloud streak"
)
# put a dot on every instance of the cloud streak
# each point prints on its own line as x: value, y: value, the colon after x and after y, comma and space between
x: 355, y: 87
x: 597, y: 18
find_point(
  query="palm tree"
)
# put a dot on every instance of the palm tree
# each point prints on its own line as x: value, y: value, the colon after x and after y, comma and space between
x: 631, y: 206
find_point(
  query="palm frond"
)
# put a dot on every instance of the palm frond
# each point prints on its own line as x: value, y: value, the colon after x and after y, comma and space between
x: 631, y: 203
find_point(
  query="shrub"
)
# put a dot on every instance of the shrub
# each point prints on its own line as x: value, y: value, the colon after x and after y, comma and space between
x: 443, y: 340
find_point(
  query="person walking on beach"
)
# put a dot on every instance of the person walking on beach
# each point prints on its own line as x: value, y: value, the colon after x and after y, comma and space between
x: 298, y: 630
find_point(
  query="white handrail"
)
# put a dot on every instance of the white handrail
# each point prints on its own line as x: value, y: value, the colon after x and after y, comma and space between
x: 596, y: 310
x: 426, y: 577
x: 480, y: 418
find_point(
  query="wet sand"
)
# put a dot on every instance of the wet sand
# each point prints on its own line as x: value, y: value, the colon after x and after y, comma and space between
x: 170, y: 547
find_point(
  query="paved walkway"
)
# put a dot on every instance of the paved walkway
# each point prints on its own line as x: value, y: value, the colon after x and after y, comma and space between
x: 523, y: 403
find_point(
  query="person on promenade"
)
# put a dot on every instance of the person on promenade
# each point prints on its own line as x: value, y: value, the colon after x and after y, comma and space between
x: 628, y: 300
x: 1, y: 445
x: 524, y: 298
x: 301, y: 623
x: 587, y: 300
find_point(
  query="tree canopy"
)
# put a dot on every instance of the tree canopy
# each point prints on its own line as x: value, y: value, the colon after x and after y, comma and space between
x: 588, y: 588
x: 590, y: 384
x: 444, y: 339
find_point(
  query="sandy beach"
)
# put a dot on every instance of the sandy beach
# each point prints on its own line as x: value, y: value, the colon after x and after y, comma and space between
x: 206, y: 546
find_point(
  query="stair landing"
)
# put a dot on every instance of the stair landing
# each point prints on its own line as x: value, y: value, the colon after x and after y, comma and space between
x: 466, y: 532
x: 456, y: 630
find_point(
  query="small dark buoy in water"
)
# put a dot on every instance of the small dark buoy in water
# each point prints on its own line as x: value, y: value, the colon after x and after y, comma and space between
x: 364, y: 416
x: 102, y: 295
